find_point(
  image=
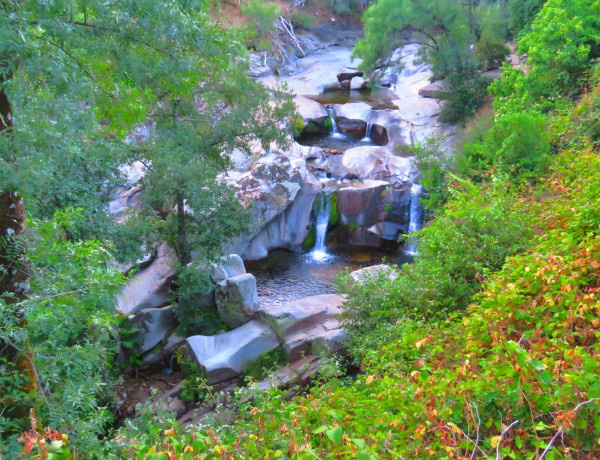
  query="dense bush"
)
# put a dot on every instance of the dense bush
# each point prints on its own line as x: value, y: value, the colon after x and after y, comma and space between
x: 517, y: 144
x: 465, y: 93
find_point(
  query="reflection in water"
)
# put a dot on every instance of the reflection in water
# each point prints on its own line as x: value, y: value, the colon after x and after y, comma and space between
x: 286, y: 275
x: 378, y: 98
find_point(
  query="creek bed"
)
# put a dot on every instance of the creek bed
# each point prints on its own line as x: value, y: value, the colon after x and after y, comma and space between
x: 286, y: 275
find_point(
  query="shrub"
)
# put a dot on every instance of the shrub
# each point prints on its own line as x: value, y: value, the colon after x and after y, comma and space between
x: 466, y: 92
x: 302, y: 19
x: 265, y: 364
x: 517, y: 144
x: 195, y: 308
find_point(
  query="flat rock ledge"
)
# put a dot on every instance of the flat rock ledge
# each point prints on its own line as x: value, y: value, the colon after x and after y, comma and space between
x: 226, y: 356
x: 306, y: 326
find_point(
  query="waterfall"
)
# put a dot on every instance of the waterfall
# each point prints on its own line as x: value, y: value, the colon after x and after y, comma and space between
x: 367, y: 137
x: 323, y: 212
x: 416, y: 217
x: 334, y: 128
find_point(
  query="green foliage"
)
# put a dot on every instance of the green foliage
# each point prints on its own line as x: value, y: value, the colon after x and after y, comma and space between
x: 470, y: 238
x: 517, y: 144
x: 334, y: 217
x: 265, y: 364
x: 465, y: 93
x: 70, y: 327
x: 491, y: 51
x: 522, y: 13
x: 302, y: 19
x: 195, y: 305
x: 562, y: 42
x: 434, y: 165
x: 310, y: 239
x: 195, y: 390
x: 261, y: 15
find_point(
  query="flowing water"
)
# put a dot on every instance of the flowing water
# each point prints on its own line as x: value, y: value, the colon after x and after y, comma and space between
x: 416, y: 217
x: 323, y: 211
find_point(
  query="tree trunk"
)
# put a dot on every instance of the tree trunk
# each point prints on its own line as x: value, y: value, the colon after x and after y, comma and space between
x: 182, y: 243
x: 14, y: 268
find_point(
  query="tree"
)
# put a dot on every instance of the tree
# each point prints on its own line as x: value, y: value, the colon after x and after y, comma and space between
x: 447, y: 32
x: 75, y: 78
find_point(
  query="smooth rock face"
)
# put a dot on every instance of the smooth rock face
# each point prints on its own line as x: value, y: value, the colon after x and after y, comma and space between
x: 360, y: 204
x: 226, y: 356
x: 306, y: 325
x: 149, y: 288
x: 231, y: 265
x: 289, y: 229
x: 154, y: 324
x: 269, y: 188
x: 237, y: 299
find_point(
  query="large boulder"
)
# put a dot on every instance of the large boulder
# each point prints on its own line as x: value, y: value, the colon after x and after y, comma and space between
x: 153, y: 325
x: 230, y: 265
x: 290, y: 228
x: 376, y: 163
x: 309, y: 109
x: 237, y: 299
x: 368, y: 273
x: 358, y: 83
x: 149, y: 288
x: 307, y: 325
x: 360, y: 204
x: 226, y: 356
x: 267, y: 189
x: 354, y: 111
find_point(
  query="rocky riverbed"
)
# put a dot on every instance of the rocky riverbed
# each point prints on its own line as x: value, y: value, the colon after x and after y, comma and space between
x: 366, y: 188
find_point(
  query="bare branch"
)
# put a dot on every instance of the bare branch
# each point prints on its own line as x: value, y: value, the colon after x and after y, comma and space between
x: 504, y: 433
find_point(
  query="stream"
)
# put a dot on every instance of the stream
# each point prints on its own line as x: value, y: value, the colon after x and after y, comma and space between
x: 286, y: 275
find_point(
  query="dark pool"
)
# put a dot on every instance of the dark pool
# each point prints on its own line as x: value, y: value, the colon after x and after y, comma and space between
x: 378, y: 98
x: 333, y: 141
x: 286, y: 275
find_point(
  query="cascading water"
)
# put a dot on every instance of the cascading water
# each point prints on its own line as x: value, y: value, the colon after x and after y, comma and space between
x: 367, y: 137
x: 416, y: 217
x: 323, y: 213
x: 334, y: 128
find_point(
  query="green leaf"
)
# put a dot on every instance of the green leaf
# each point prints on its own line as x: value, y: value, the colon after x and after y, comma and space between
x: 335, y: 434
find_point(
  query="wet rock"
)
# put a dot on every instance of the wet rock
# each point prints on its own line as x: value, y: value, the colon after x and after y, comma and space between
x: 231, y: 265
x: 360, y: 204
x: 226, y: 356
x: 375, y: 163
x: 307, y: 325
x: 237, y: 299
x: 154, y: 324
x: 348, y: 75
x: 354, y: 111
x: 268, y: 189
x: 149, y: 287
x: 353, y: 128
